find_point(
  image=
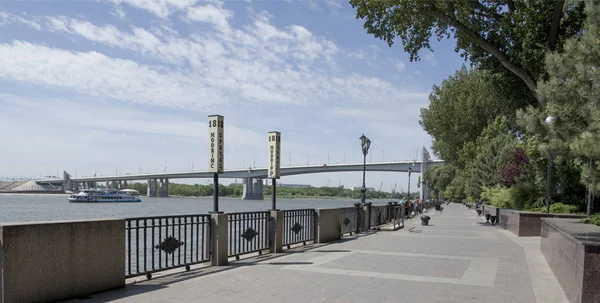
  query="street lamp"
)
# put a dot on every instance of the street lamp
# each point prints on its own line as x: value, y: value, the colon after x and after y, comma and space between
x: 365, y: 143
x: 549, y: 121
x: 409, y: 171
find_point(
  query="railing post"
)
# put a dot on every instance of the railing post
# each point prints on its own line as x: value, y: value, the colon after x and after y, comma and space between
x: 357, y: 206
x: 368, y: 212
x: 276, y: 235
x: 219, y: 239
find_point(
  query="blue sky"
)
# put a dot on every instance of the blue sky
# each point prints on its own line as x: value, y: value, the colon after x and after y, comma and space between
x: 123, y: 86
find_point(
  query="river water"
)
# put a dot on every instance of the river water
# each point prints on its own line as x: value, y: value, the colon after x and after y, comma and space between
x: 26, y: 208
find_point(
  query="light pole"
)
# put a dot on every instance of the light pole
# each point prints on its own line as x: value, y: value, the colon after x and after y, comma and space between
x: 409, y: 172
x: 365, y: 143
x: 549, y: 121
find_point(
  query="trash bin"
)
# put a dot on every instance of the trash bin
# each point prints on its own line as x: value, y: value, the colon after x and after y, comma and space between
x: 425, y: 220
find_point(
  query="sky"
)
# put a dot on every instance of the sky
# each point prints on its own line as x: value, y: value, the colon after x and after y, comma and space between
x: 126, y: 86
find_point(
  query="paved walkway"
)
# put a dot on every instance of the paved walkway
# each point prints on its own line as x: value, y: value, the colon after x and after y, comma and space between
x: 457, y: 258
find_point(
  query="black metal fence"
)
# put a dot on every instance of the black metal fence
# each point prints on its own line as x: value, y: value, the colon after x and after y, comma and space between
x: 298, y: 226
x: 158, y: 243
x: 349, y: 220
x: 380, y: 215
x: 248, y: 232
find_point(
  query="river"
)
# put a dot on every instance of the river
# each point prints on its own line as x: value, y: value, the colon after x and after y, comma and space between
x: 26, y: 208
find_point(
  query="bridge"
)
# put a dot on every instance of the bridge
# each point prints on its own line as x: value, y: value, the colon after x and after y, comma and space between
x: 158, y: 183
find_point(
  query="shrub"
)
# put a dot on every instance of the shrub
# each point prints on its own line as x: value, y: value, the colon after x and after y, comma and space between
x: 595, y: 219
x: 559, y: 208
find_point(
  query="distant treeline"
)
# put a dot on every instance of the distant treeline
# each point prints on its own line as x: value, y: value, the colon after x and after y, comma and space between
x: 198, y: 190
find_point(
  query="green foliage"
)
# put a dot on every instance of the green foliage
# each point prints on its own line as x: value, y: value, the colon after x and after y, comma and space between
x: 572, y: 92
x: 460, y: 109
x: 559, y: 208
x: 498, y: 196
x: 595, y: 219
x: 497, y: 35
x: 197, y: 190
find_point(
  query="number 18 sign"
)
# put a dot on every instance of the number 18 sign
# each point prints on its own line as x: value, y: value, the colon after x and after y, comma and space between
x: 274, y: 155
x: 215, y: 144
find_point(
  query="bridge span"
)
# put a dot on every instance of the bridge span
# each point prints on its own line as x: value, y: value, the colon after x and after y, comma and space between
x: 158, y: 183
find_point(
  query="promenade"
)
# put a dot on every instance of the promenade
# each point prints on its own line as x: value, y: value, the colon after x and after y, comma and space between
x: 457, y: 258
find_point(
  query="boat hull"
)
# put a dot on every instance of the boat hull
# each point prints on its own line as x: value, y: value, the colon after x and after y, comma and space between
x: 134, y: 200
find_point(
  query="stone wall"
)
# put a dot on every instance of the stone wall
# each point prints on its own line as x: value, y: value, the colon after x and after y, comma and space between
x: 572, y: 249
x: 51, y: 261
x: 527, y: 224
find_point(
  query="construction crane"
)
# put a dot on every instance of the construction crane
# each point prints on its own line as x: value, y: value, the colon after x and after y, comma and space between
x: 327, y: 183
x: 380, y: 186
x: 394, y: 189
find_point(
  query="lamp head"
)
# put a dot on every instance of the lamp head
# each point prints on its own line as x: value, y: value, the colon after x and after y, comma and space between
x: 363, y: 140
x: 368, y: 143
x: 549, y: 120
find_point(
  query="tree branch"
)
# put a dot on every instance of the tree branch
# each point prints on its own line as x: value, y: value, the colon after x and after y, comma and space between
x: 511, y: 6
x: 486, y: 10
x: 490, y: 48
x: 555, y: 26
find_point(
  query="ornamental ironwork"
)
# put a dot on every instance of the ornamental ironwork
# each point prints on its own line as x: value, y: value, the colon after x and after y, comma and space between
x: 249, y: 234
x: 346, y: 221
x: 296, y: 228
x: 169, y: 245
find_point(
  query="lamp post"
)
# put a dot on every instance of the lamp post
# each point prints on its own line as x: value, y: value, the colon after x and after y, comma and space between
x: 409, y: 172
x: 549, y: 122
x: 365, y: 143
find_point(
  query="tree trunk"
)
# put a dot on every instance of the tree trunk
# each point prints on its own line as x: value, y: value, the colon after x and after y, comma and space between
x: 555, y: 26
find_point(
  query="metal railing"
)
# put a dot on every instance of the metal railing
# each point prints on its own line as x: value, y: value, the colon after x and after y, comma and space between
x: 159, y: 243
x: 349, y: 218
x: 248, y: 232
x: 298, y: 226
x: 379, y: 215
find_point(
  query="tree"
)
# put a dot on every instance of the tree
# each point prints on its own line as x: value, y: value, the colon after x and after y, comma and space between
x: 460, y: 108
x: 572, y: 91
x: 509, y: 35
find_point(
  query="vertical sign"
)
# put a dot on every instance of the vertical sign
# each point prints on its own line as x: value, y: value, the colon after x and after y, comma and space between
x: 215, y: 144
x: 274, y: 154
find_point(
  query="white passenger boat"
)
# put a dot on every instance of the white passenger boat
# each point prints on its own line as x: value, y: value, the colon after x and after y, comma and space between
x: 102, y: 196
x: 131, y: 192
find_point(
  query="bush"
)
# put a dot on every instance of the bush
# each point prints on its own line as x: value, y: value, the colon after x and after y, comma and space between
x: 559, y: 208
x: 595, y: 219
x: 498, y: 196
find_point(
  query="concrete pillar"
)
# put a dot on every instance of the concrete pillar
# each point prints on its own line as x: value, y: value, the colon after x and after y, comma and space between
x: 125, y: 186
x: 248, y: 189
x: 154, y: 187
x: 258, y: 189
x: 166, y: 184
x: 276, y: 231
x: 219, y: 239
x: 367, y: 209
x: 327, y: 225
x: 107, y: 184
x: 149, y: 188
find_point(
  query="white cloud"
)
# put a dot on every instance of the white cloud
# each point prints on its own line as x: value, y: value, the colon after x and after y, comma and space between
x: 397, y: 64
x: 118, y: 11
x: 252, y: 65
x: 430, y: 56
x: 212, y: 14
x: 6, y: 19
x: 160, y: 8
x: 95, y: 74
